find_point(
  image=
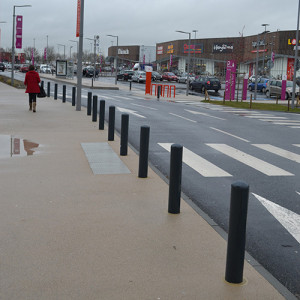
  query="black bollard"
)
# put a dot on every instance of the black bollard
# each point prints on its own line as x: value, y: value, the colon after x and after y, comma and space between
x: 124, y: 134
x: 237, y: 232
x: 130, y: 83
x: 73, y: 95
x: 89, y: 104
x: 95, y: 107
x: 111, y: 123
x: 175, y: 179
x: 42, y: 83
x: 158, y: 92
x: 64, y: 94
x: 144, y: 150
x: 55, y: 91
x: 48, y: 89
x: 101, y: 114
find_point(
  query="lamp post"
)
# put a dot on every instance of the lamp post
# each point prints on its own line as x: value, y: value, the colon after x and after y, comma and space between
x: 76, y: 43
x: 13, y: 43
x: 116, y: 57
x: 194, y: 62
x: 188, y: 67
x: 95, y: 39
x: 71, y: 52
x: 0, y: 32
x: 64, y: 49
x: 296, y: 58
x: 265, y: 25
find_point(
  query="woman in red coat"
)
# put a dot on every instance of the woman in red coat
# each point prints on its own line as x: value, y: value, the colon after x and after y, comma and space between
x: 32, y: 80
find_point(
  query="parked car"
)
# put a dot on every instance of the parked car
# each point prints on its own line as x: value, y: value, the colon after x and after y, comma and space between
x: 203, y: 83
x: 125, y: 75
x: 2, y: 67
x: 155, y: 76
x: 261, y: 85
x: 89, y: 72
x: 274, y: 88
x: 183, y: 78
x: 169, y: 76
x: 45, y: 69
x: 139, y: 76
x: 24, y: 68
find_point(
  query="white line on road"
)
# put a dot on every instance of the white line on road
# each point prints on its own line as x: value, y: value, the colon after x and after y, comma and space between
x: 294, y: 127
x: 199, y: 164
x: 204, y: 114
x: 129, y: 111
x: 237, y: 137
x: 121, y: 97
x: 250, y: 160
x: 144, y: 106
x: 183, y: 118
x: 297, y: 145
x: 288, y: 219
x: 286, y: 123
x: 259, y: 116
x: 280, y: 152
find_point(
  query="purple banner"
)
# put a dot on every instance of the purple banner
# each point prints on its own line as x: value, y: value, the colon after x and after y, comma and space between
x: 45, y: 54
x: 245, y: 85
x: 171, y: 59
x: 32, y: 56
x: 230, y: 80
x: 19, y: 24
x: 283, y: 89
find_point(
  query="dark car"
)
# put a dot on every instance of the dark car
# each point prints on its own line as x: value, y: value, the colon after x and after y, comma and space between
x: 155, y: 76
x: 203, y: 83
x: 169, y: 76
x: 125, y: 75
x: 89, y: 72
x: 2, y: 67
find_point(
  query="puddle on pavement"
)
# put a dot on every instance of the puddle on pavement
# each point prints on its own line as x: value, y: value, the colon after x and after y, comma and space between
x: 11, y: 146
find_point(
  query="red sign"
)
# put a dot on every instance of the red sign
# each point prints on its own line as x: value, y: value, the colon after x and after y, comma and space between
x: 19, y: 31
x: 78, y: 18
x: 290, y: 69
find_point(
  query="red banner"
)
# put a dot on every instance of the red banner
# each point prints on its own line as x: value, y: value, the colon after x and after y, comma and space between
x: 78, y: 18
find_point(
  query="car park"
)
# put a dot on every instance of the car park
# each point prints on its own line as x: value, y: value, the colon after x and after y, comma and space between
x: 125, y: 75
x: 2, y: 67
x: 274, y: 88
x: 155, y: 76
x: 169, y: 76
x: 139, y: 76
x: 183, y: 77
x: 203, y: 83
x: 261, y: 85
x: 24, y: 68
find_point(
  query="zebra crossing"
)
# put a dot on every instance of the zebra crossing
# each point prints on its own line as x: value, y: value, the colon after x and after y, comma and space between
x: 208, y: 169
x: 264, y: 117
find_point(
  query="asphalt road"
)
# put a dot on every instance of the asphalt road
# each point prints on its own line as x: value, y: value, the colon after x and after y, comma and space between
x: 221, y: 146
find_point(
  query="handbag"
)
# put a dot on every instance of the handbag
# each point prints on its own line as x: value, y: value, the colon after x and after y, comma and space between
x: 42, y: 93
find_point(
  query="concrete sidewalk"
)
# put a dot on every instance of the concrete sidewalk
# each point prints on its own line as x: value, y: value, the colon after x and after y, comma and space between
x: 67, y: 233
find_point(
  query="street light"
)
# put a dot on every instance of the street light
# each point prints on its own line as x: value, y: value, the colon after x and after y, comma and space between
x: 13, y: 43
x: 296, y: 58
x: 76, y: 43
x: 116, y: 56
x: 95, y: 39
x: 71, y: 52
x: 265, y: 25
x: 188, y: 68
x: 194, y: 62
x: 64, y: 49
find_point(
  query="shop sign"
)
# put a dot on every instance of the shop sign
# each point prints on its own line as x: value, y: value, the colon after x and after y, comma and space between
x: 160, y: 50
x: 292, y: 42
x: 223, y: 47
x: 170, y: 49
x: 123, y: 51
x: 260, y: 43
x: 198, y: 48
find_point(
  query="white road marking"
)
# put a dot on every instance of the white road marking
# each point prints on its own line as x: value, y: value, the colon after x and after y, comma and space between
x: 199, y: 164
x: 130, y: 112
x: 237, y: 137
x: 297, y: 145
x: 106, y: 97
x: 204, y: 114
x: 271, y: 119
x: 250, y: 160
x: 280, y: 152
x: 285, y: 123
x: 298, y: 193
x: 121, y: 97
x: 144, y: 106
x: 288, y: 219
x: 257, y: 116
x: 294, y: 127
x: 183, y: 118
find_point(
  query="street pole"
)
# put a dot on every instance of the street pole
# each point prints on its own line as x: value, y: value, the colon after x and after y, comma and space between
x: 13, y: 43
x: 194, y: 62
x: 265, y: 25
x: 116, y: 78
x: 296, y: 57
x: 79, y: 64
x: 256, y: 67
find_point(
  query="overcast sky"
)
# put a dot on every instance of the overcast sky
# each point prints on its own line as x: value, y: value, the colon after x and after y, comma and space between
x: 143, y: 22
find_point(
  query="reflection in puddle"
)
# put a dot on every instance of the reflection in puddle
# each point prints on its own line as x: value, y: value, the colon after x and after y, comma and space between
x: 11, y: 146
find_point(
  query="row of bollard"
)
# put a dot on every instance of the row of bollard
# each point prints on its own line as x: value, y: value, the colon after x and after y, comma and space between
x: 239, y: 190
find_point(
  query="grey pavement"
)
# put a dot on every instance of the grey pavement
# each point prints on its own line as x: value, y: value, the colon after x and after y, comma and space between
x: 68, y: 232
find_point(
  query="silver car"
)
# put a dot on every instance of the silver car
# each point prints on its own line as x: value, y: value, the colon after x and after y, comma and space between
x: 274, y: 88
x: 139, y: 76
x: 183, y: 78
